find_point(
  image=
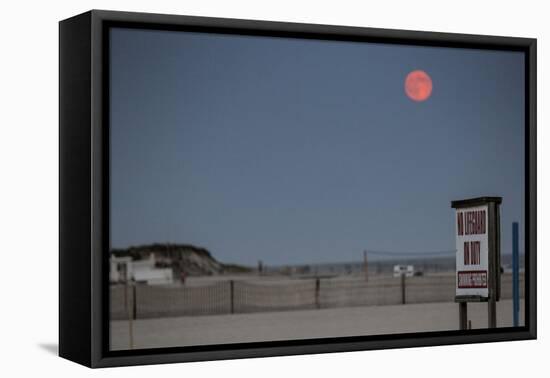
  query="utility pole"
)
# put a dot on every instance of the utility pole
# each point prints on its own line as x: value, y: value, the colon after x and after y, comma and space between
x: 515, y: 271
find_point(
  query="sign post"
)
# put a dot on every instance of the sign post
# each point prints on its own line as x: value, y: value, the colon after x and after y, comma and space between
x: 477, y: 231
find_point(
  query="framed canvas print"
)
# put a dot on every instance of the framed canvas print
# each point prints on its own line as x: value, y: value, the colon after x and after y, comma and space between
x: 234, y: 188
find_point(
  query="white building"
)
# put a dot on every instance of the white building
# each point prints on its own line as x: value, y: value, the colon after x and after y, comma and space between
x: 124, y: 269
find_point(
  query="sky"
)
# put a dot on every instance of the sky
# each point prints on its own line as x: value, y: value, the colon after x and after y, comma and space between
x: 297, y: 151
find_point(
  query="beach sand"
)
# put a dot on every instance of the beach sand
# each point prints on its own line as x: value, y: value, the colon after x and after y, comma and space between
x: 302, y: 324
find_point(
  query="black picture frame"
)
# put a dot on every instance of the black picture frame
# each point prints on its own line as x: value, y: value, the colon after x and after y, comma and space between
x: 84, y: 195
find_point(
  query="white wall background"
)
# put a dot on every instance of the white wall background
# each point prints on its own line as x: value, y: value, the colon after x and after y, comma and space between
x: 29, y: 185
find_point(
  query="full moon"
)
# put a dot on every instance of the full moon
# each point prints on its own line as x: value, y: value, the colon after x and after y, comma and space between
x: 418, y: 85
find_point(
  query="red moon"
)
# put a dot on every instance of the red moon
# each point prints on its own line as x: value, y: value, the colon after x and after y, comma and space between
x: 418, y: 85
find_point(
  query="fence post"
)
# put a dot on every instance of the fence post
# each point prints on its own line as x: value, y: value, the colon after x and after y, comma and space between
x: 131, y: 312
x: 232, y: 295
x: 134, y: 301
x: 366, y: 265
x: 403, y: 297
x: 126, y: 296
x: 515, y: 272
x: 317, y: 290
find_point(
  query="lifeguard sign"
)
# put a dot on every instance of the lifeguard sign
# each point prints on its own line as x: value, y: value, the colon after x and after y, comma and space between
x: 472, y: 245
x: 477, y: 230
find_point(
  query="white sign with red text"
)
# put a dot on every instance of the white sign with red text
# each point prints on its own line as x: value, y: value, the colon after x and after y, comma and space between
x: 472, y: 257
